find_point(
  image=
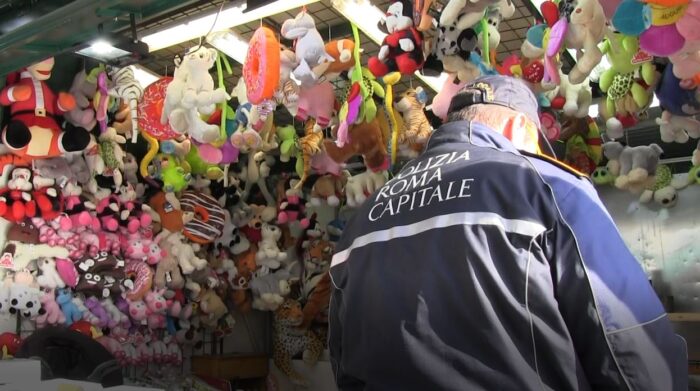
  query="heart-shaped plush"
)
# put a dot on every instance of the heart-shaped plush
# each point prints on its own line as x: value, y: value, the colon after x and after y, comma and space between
x: 550, y: 12
x: 558, y: 103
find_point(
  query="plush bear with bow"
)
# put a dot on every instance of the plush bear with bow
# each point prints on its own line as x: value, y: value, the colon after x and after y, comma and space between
x: 33, y: 131
x: 402, y: 49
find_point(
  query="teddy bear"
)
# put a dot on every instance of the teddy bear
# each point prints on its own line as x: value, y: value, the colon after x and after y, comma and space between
x: 309, y: 48
x: 329, y: 188
x: 676, y: 128
x: 366, y: 139
x: 260, y: 215
x: 634, y: 167
x: 191, y: 93
x: 33, y: 131
x: 402, y: 49
x: 176, y: 245
x: 211, y: 306
x: 269, y: 253
x: 417, y: 127
x: 574, y: 99
x: 168, y: 273
x: 49, y: 277
x: 53, y: 314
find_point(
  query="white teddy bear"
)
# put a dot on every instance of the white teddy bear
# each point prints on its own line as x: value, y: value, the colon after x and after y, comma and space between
x: 184, y: 252
x: 361, y: 184
x: 49, y: 277
x: 192, y: 93
x: 269, y: 254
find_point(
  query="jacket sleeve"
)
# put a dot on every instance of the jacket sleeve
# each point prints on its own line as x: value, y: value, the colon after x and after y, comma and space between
x: 621, y: 333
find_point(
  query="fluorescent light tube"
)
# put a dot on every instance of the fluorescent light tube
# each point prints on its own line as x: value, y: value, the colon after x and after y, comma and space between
x: 365, y: 16
x: 230, y: 17
x: 144, y: 76
x: 231, y: 44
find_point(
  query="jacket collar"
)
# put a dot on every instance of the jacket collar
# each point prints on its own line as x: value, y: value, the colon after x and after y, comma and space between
x: 471, y: 133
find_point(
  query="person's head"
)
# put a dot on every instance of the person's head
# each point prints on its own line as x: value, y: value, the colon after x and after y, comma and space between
x: 504, y: 104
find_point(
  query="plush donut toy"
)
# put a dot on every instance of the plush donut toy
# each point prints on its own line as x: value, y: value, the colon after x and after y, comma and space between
x: 261, y: 70
x: 209, y: 217
x: 150, y: 109
x: 138, y: 281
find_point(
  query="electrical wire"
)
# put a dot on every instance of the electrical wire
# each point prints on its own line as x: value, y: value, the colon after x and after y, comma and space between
x: 216, y: 19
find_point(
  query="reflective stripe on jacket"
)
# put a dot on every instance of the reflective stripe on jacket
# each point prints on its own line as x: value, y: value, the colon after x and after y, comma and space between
x: 479, y: 268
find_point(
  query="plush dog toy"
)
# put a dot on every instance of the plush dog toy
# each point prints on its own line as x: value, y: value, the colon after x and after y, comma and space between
x: 33, y: 131
x: 309, y: 47
x: 402, y: 49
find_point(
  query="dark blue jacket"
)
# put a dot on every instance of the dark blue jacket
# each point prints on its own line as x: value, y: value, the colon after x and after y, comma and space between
x: 480, y: 268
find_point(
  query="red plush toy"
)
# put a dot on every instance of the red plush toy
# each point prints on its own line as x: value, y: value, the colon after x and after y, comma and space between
x: 402, y: 49
x: 34, y: 131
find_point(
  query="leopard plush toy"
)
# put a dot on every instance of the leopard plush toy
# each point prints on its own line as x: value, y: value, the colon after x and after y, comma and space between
x: 289, y: 341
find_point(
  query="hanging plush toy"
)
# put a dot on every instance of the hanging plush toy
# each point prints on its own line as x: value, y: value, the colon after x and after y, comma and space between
x: 126, y: 87
x: 402, y: 49
x: 309, y: 47
x: 411, y: 104
x: 677, y: 122
x: 33, y: 131
x: 192, y: 92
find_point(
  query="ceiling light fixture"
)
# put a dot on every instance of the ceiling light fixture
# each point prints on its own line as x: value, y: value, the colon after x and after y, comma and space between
x: 228, y: 18
x: 231, y: 44
x: 366, y: 16
x: 114, y: 50
x: 144, y: 76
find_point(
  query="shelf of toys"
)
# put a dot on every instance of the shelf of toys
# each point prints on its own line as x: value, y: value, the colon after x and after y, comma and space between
x: 160, y: 220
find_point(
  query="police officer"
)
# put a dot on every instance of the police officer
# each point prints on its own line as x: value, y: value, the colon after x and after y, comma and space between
x: 483, y: 265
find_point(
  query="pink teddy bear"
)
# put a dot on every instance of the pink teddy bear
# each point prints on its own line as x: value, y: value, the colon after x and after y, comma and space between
x: 157, y: 308
x: 142, y: 249
x: 53, y: 314
x: 138, y: 311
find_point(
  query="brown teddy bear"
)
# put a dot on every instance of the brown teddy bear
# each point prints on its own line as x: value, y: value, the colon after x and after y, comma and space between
x: 329, y: 188
x: 366, y: 139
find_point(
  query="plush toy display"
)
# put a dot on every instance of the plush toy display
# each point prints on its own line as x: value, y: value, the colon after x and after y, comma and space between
x: 226, y: 206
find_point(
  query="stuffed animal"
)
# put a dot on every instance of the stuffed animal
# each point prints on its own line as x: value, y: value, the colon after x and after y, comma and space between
x: 676, y: 128
x: 291, y: 206
x: 341, y: 50
x: 168, y: 273
x: 464, y: 14
x: 288, y: 342
x: 138, y: 311
x: 601, y: 176
x: 25, y: 296
x: 366, y: 139
x: 664, y: 192
x: 417, y: 128
x: 22, y: 247
x: 329, y: 188
x: 269, y: 253
x: 49, y: 277
x: 192, y: 92
x: 316, y: 102
x: 674, y: 97
x: 577, y: 98
x: 212, y: 306
x: 53, y: 314
x: 157, y: 308
x: 125, y: 86
x: 360, y: 185
x: 270, y: 290
x: 630, y: 75
x: 587, y: 26
x: 259, y: 215
x: 635, y: 167
x: 72, y: 313
x: 309, y: 47
x: 116, y: 317
x: 175, y: 245
x: 82, y: 90
x: 9, y: 345
x: 32, y: 131
x: 402, y: 49
x: 95, y: 307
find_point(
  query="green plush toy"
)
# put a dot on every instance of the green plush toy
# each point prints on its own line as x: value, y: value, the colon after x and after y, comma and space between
x: 289, y: 147
x: 602, y: 176
x: 664, y: 191
x: 174, y: 177
x: 629, y: 67
x: 199, y: 167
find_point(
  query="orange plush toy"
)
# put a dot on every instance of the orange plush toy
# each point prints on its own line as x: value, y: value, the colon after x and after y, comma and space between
x: 366, y: 139
x: 34, y: 131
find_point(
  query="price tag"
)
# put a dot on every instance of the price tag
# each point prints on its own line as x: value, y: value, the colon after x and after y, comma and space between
x: 168, y: 207
x: 641, y: 57
x: 7, y: 261
x: 62, y: 182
